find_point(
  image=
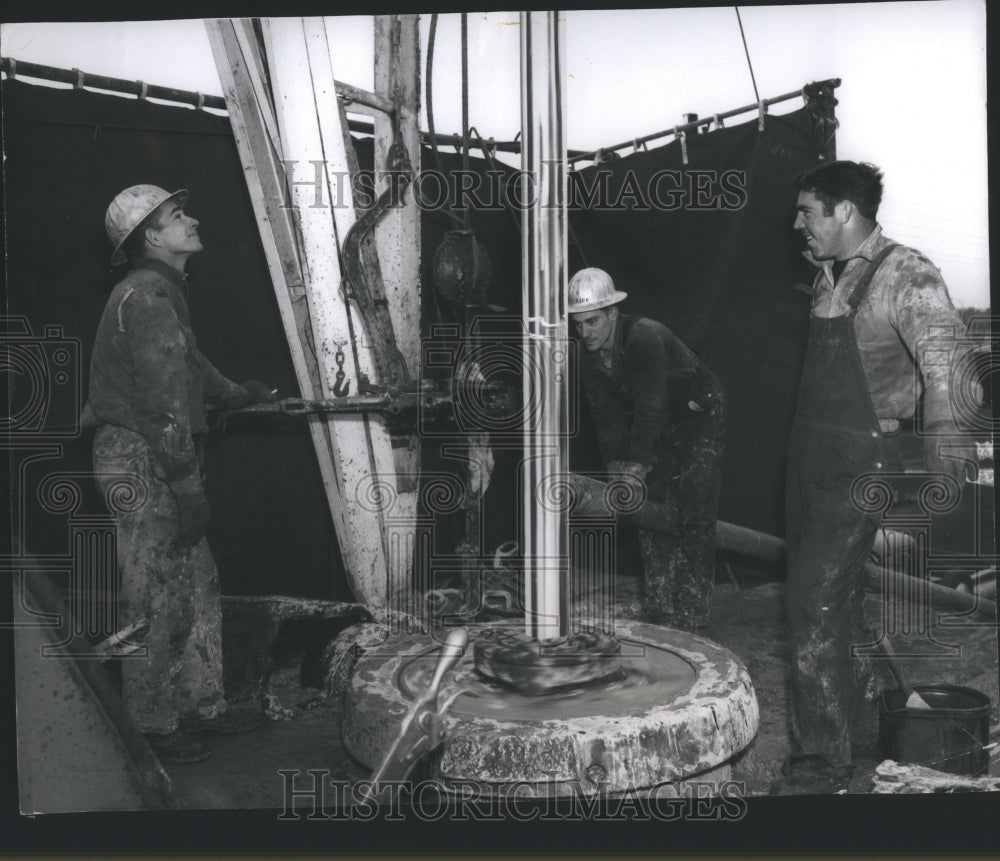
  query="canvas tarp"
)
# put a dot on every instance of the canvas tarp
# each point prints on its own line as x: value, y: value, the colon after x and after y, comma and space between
x: 721, y: 278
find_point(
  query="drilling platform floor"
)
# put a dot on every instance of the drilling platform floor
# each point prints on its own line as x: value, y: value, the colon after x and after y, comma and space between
x: 246, y: 771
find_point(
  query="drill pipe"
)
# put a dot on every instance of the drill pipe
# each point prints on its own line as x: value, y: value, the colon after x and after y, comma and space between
x: 591, y: 498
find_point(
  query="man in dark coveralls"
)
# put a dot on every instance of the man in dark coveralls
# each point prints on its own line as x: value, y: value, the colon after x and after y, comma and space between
x: 149, y: 385
x: 658, y: 413
x: 883, y: 331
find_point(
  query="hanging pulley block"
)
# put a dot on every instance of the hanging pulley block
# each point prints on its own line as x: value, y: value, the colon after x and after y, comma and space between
x: 462, y: 270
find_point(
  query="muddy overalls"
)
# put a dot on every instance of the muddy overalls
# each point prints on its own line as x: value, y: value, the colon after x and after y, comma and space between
x: 835, y: 439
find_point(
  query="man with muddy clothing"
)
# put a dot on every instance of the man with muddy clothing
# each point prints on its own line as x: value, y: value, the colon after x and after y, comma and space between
x: 149, y: 385
x: 883, y: 332
x: 658, y: 415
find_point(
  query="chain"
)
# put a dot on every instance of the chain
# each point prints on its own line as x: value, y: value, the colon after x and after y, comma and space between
x: 340, y: 388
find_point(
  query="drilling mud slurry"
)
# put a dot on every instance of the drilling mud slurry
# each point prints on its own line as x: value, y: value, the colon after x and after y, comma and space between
x: 649, y: 676
x: 683, y: 707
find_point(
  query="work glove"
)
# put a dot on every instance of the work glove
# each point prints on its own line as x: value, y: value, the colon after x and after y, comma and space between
x: 951, y: 452
x: 631, y: 473
x: 258, y: 393
x: 192, y: 510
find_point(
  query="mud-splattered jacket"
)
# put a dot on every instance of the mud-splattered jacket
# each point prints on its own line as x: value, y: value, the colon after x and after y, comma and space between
x: 146, y: 372
x: 907, y: 322
x: 651, y: 371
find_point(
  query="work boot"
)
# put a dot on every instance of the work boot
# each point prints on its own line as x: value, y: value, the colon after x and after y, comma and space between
x: 809, y: 774
x: 174, y: 748
x: 233, y: 721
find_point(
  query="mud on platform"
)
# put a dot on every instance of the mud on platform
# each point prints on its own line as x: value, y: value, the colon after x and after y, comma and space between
x: 245, y: 771
x: 751, y: 623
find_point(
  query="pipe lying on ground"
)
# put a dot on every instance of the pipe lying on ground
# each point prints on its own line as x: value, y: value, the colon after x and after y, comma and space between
x: 594, y: 498
x: 879, y: 579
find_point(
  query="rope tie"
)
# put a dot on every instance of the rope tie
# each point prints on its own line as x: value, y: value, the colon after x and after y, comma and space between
x: 143, y: 89
x: 79, y: 80
x: 489, y: 153
x: 12, y: 70
x: 681, y: 135
x: 428, y: 84
x: 200, y: 106
x: 718, y: 122
x: 761, y: 113
x: 833, y: 131
x: 746, y: 50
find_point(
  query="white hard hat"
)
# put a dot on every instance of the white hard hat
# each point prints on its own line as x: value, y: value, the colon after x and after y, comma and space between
x: 590, y: 289
x: 128, y: 210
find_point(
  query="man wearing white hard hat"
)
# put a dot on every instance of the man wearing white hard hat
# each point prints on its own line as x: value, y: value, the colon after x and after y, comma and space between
x: 658, y: 414
x: 149, y: 385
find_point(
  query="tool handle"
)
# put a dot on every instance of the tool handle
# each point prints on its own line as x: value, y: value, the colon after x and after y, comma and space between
x: 453, y: 649
x: 894, y: 667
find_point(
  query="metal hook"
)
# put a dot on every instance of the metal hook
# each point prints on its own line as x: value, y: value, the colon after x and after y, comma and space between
x: 341, y: 388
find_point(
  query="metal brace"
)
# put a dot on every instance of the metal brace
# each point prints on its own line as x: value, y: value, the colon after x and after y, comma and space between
x: 548, y: 329
x: 370, y: 298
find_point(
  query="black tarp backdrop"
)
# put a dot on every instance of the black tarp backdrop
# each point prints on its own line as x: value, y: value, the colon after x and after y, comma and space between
x: 717, y: 264
x: 721, y: 279
x: 68, y: 154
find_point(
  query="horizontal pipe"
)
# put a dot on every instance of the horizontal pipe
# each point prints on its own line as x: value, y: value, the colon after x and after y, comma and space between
x: 12, y: 68
x: 942, y: 597
x: 591, y: 499
x: 455, y: 140
x: 740, y: 539
x: 833, y: 83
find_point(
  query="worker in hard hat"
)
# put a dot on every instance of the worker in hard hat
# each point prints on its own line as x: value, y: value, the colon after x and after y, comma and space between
x: 149, y: 385
x: 658, y: 414
x: 883, y: 335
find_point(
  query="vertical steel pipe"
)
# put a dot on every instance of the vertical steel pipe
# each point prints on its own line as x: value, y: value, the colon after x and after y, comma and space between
x: 544, y: 287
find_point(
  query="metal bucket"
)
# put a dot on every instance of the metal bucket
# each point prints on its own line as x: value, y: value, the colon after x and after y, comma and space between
x: 950, y: 736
